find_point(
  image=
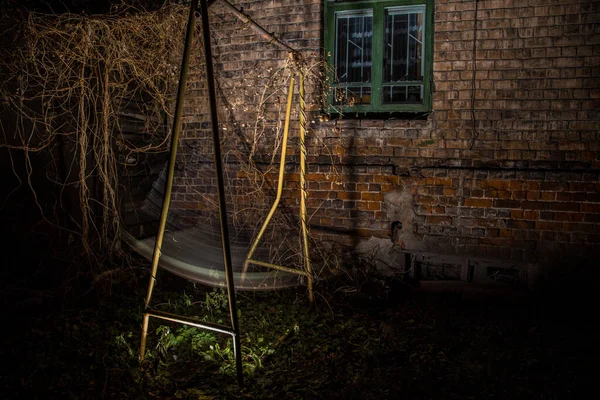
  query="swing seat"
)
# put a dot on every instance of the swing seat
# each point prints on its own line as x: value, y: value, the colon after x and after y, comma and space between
x: 196, y: 254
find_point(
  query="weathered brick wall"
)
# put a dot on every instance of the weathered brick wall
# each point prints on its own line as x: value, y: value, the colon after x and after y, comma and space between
x: 505, y: 166
x: 252, y: 81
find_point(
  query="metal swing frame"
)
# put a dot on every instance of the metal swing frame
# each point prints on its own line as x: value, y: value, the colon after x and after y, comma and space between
x: 307, y: 272
x: 232, y: 330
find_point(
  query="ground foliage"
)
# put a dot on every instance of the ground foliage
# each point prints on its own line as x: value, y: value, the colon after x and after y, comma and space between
x: 371, y: 339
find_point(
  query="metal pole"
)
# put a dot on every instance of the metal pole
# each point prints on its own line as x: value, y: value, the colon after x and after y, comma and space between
x: 277, y: 267
x: 286, y: 128
x: 303, y: 193
x: 221, y: 191
x: 171, y: 167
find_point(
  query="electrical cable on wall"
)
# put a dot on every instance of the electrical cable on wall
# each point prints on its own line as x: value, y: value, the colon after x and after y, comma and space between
x: 474, y: 133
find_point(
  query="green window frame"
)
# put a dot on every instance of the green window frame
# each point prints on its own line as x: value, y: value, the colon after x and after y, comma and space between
x: 379, y: 55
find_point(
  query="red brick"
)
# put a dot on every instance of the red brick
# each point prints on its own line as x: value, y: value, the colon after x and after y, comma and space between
x: 372, y: 196
x: 450, y: 192
x: 531, y: 185
x: 505, y: 194
x: 560, y: 206
x: 505, y: 233
x: 590, y: 207
x: 491, y: 193
x: 581, y: 187
x: 438, y: 210
x: 315, y: 177
x: 425, y: 200
x: 492, y: 233
x: 516, y: 214
x: 187, y: 205
x: 578, y: 197
x: 487, y: 223
x: 439, y: 181
x: 476, y: 193
x: 368, y: 205
x: 515, y: 185
x: 591, y: 217
x: 386, y: 179
x: 548, y: 226
x: 519, y: 195
x: 325, y: 186
x: 438, y: 220
x: 482, y: 203
x: 531, y: 215
x: 519, y: 224
x: 563, y: 196
x: 349, y: 195
x: 496, y: 184
x: 501, y: 203
x: 548, y: 196
x: 579, y: 227
x: 323, y: 194
x: 496, y: 241
x: 535, y: 205
x: 593, y: 197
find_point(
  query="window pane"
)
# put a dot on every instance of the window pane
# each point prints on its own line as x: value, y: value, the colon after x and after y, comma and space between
x: 353, y: 47
x: 350, y: 96
x: 403, y: 44
x: 403, y: 94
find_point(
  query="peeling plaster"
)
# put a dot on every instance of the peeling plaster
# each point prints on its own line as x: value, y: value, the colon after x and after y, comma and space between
x: 388, y: 255
x: 399, y: 205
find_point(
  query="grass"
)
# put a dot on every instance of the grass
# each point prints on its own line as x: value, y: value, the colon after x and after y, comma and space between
x: 387, y: 343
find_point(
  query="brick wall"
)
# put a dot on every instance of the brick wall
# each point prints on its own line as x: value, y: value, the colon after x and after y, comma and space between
x: 505, y: 166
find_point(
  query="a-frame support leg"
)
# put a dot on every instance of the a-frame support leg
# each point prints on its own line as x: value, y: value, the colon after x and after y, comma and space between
x: 212, y: 95
x: 148, y: 312
x: 307, y: 271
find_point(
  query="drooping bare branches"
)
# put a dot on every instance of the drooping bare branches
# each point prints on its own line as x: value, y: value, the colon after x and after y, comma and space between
x: 74, y: 77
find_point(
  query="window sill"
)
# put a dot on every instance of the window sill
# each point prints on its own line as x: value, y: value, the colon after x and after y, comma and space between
x: 390, y: 115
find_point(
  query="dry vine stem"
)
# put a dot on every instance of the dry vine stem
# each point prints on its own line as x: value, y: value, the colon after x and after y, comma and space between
x: 73, y: 78
x: 257, y: 163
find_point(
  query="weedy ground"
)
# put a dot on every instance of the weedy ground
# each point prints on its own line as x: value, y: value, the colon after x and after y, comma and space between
x: 376, y: 340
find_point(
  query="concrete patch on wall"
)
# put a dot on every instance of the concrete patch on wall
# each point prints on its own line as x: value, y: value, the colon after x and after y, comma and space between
x: 388, y: 255
x: 399, y: 206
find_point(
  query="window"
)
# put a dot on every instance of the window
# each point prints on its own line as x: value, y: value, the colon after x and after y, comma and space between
x: 380, y: 55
